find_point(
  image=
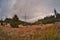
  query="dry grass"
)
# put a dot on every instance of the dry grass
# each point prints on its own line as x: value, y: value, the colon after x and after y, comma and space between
x: 34, y: 32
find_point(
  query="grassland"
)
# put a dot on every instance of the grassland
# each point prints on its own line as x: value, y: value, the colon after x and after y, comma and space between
x: 33, y: 32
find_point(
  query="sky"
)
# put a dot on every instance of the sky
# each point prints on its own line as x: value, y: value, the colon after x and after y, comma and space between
x: 32, y: 9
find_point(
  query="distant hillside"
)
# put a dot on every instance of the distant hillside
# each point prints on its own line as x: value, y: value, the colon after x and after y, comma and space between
x: 14, y: 21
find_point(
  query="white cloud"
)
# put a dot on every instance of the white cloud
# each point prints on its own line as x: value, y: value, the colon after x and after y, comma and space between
x: 34, y: 9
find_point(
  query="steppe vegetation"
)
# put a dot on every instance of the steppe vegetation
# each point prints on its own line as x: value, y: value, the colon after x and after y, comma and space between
x: 34, y: 32
x: 44, y: 29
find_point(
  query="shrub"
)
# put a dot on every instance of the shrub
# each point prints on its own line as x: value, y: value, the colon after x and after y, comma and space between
x: 14, y: 22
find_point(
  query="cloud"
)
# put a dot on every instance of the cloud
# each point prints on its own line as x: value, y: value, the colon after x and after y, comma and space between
x: 34, y: 9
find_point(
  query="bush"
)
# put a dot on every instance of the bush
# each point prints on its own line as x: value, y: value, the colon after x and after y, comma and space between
x: 48, y: 20
x: 14, y: 22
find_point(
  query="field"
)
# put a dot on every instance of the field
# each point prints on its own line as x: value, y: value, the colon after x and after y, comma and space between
x: 33, y: 32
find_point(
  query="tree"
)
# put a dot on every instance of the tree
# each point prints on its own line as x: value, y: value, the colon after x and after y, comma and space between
x: 15, y: 21
x: 7, y: 20
x: 1, y: 21
x: 15, y: 18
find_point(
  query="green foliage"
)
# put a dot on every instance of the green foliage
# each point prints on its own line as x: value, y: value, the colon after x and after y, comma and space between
x: 1, y: 21
x: 15, y: 18
x: 7, y: 20
x: 48, y: 19
x: 14, y: 22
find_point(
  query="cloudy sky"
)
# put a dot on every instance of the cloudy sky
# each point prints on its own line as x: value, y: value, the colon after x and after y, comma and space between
x: 34, y: 9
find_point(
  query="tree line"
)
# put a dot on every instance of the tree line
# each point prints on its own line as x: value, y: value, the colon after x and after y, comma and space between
x: 14, y: 21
